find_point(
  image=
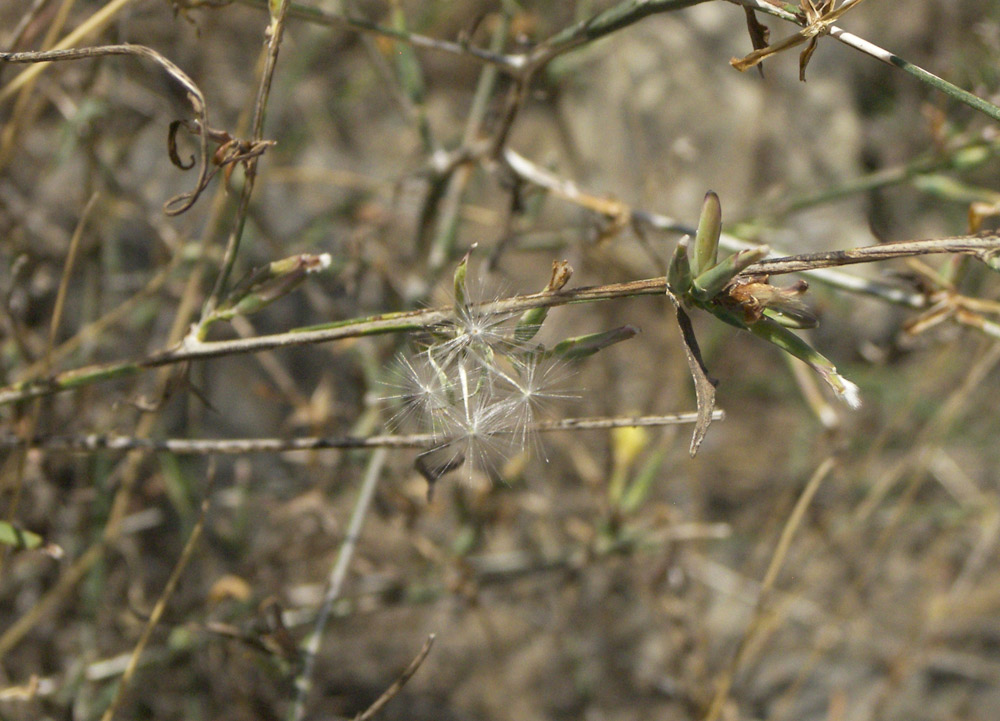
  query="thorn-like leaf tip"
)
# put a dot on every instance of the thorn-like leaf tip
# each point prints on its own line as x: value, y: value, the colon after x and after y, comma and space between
x: 850, y: 393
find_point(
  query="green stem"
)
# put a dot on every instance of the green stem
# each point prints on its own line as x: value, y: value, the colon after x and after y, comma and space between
x: 614, y: 18
x: 192, y: 349
x: 952, y: 91
x: 889, y: 58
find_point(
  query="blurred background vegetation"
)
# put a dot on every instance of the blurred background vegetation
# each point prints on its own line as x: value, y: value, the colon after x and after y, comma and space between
x: 548, y: 600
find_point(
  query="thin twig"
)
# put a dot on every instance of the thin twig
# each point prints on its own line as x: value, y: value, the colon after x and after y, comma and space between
x: 604, y: 23
x: 184, y: 446
x: 523, y: 64
x: 157, y: 614
x: 93, y: 330
x: 982, y: 247
x: 68, y: 268
x: 398, y: 684
x: 127, y: 471
x: 275, y: 32
x: 792, y: 524
x: 955, y: 156
x: 924, y: 76
x: 179, y: 203
x: 303, y: 683
x: 611, y: 20
x: 24, y: 110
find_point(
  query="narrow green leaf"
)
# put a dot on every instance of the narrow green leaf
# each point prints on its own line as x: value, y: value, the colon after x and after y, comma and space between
x: 586, y: 345
x: 642, y: 482
x: 791, y: 343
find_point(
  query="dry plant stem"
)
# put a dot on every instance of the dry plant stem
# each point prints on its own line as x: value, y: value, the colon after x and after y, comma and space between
x: 180, y: 203
x: 523, y: 66
x: 408, y: 79
x: 777, y: 560
x: 913, y: 469
x: 510, y: 63
x: 93, y: 25
x: 914, y: 465
x: 410, y: 109
x: 68, y: 266
x: 182, y: 446
x: 192, y: 349
x: 280, y: 376
x: 303, y: 683
x: 398, y: 684
x: 978, y: 246
x: 13, y: 634
x: 275, y: 32
x: 157, y: 614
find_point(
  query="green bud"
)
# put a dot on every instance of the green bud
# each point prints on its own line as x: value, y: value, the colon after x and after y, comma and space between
x: 531, y: 320
x: 461, y: 299
x: 268, y: 283
x: 706, y: 240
